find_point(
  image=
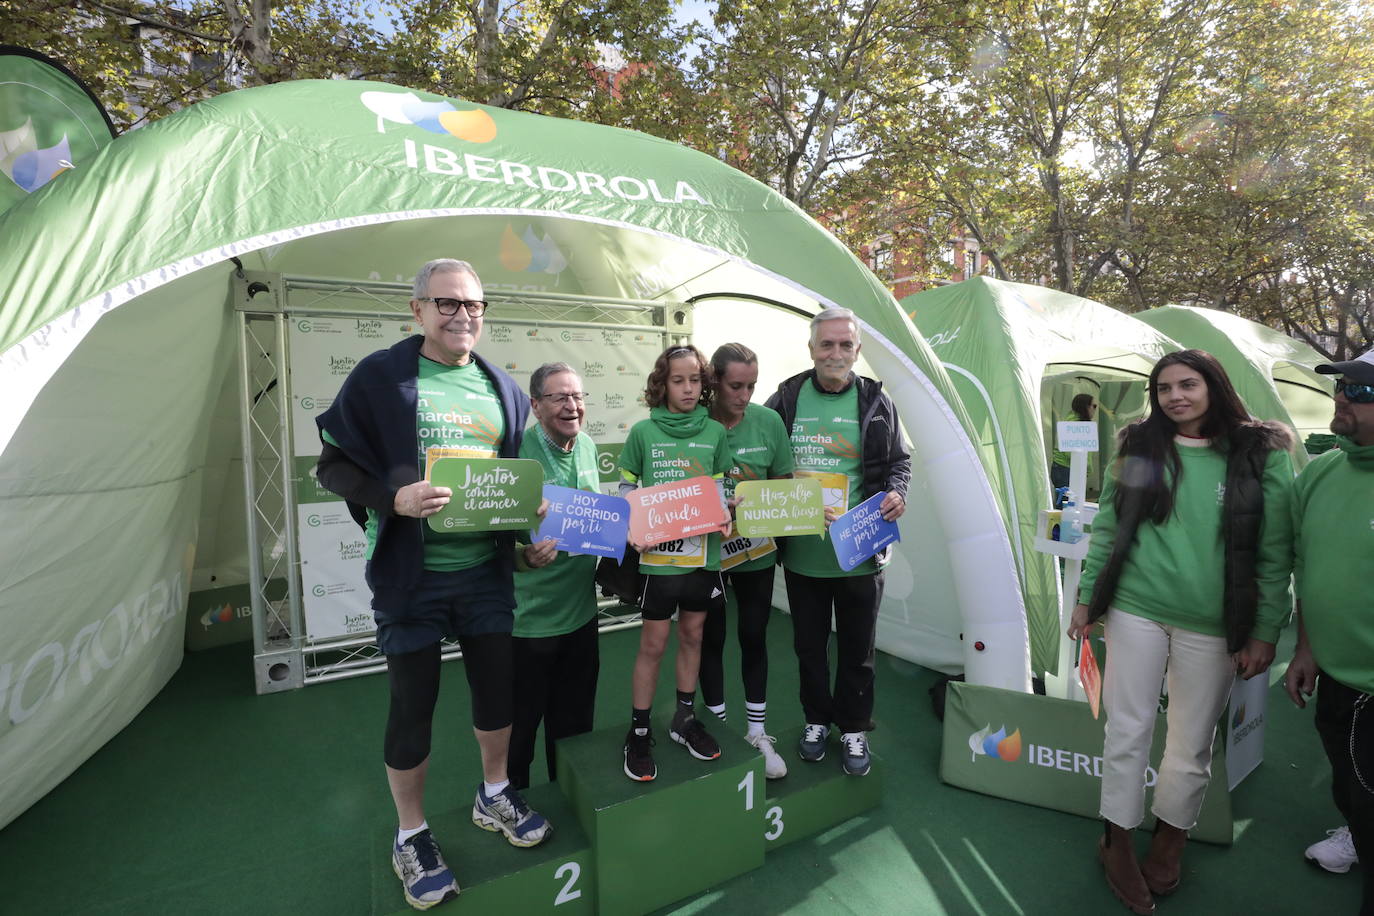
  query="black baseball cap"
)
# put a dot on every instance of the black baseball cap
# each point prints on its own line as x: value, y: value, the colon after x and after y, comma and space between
x: 1359, y: 370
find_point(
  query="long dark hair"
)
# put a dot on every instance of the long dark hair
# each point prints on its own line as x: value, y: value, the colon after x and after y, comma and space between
x: 656, y: 386
x: 1146, y: 448
x: 1080, y: 405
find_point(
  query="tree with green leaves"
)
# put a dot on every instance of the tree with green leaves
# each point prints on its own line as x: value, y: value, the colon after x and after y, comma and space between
x: 797, y: 86
x: 611, y: 60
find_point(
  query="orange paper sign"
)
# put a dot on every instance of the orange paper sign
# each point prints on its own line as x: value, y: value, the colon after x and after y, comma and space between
x: 1090, y: 676
x: 672, y: 511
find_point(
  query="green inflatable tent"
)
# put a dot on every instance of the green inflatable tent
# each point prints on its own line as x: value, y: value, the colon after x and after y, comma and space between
x: 1017, y: 354
x: 1272, y: 372
x: 143, y: 291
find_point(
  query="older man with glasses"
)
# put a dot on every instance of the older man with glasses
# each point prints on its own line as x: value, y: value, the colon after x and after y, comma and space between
x: 843, y: 430
x: 400, y: 410
x: 557, y: 658
x: 1333, y: 521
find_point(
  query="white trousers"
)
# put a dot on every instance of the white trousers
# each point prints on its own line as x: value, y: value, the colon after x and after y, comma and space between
x: 1200, y: 672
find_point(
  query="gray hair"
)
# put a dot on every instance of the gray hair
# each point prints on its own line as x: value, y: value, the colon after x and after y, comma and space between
x: 439, y: 266
x: 831, y: 314
x: 541, y: 375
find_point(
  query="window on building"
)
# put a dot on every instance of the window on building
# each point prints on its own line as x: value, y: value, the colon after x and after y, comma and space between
x: 881, y: 261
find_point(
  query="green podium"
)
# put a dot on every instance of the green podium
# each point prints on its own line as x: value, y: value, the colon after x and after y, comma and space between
x: 813, y: 797
x: 496, y: 877
x: 698, y: 824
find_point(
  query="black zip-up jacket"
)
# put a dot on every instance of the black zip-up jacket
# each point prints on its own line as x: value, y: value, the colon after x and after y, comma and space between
x: 884, y: 459
x: 373, y: 420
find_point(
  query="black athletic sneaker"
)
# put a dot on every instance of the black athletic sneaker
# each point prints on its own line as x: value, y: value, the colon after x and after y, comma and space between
x: 688, y: 731
x: 639, y: 759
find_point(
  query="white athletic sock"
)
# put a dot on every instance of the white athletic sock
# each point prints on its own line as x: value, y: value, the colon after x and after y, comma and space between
x: 755, y: 713
x: 403, y: 833
x: 490, y: 789
x: 719, y: 711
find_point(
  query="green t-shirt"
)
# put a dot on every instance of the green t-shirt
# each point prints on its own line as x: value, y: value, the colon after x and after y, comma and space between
x: 457, y: 410
x: 653, y: 455
x: 1333, y: 523
x: 826, y: 443
x: 1174, y: 573
x: 759, y: 450
x: 561, y: 597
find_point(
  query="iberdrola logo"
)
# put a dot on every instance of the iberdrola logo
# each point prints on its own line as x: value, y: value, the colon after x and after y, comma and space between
x: 995, y: 744
x: 529, y: 253
x: 217, y: 615
x: 474, y: 126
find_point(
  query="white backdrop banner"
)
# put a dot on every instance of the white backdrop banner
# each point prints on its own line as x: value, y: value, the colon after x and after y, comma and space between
x: 613, y: 364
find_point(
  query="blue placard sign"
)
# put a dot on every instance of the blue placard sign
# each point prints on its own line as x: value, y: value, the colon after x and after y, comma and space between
x: 585, y: 522
x: 861, y: 532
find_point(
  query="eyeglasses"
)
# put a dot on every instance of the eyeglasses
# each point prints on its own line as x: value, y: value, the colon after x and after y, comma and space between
x: 560, y: 399
x: 449, y: 307
x: 1355, y: 394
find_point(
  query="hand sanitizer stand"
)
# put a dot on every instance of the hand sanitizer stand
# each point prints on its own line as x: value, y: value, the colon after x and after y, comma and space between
x: 1078, y: 439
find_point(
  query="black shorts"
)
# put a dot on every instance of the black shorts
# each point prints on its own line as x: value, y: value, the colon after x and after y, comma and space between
x: 699, y: 590
x: 464, y: 602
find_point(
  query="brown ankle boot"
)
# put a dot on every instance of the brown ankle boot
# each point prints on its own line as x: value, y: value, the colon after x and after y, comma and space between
x: 1117, y: 854
x: 1163, y: 867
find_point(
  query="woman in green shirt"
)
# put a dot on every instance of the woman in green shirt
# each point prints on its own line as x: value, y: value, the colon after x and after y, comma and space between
x: 1189, y: 563
x: 759, y: 450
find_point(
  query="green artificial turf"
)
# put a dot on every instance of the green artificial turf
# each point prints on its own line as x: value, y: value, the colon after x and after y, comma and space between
x: 216, y: 800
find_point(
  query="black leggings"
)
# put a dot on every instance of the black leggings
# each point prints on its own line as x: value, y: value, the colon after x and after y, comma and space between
x: 753, y: 593
x: 414, y: 678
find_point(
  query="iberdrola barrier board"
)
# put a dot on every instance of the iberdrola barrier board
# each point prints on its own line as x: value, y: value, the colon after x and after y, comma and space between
x: 1048, y: 752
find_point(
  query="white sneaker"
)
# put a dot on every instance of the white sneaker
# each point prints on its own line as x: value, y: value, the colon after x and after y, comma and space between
x: 773, y: 766
x: 1336, y: 853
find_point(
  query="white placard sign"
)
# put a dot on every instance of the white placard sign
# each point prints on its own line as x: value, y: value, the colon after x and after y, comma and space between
x: 334, y: 594
x: 323, y: 352
x: 1245, y: 727
x: 1076, y: 436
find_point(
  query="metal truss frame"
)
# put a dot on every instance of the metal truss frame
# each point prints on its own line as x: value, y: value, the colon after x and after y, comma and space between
x: 284, y: 655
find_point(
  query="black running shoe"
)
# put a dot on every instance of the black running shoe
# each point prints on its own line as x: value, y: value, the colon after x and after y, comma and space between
x: 639, y: 759
x: 688, y: 731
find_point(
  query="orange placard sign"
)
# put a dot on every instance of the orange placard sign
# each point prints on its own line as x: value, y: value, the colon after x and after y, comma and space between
x: 1090, y: 676
x: 677, y: 510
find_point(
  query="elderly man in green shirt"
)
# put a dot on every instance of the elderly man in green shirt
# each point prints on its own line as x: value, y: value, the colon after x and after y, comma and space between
x: 556, y: 657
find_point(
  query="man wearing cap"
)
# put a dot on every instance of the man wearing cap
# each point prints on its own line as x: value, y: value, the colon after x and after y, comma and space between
x: 1333, y: 522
